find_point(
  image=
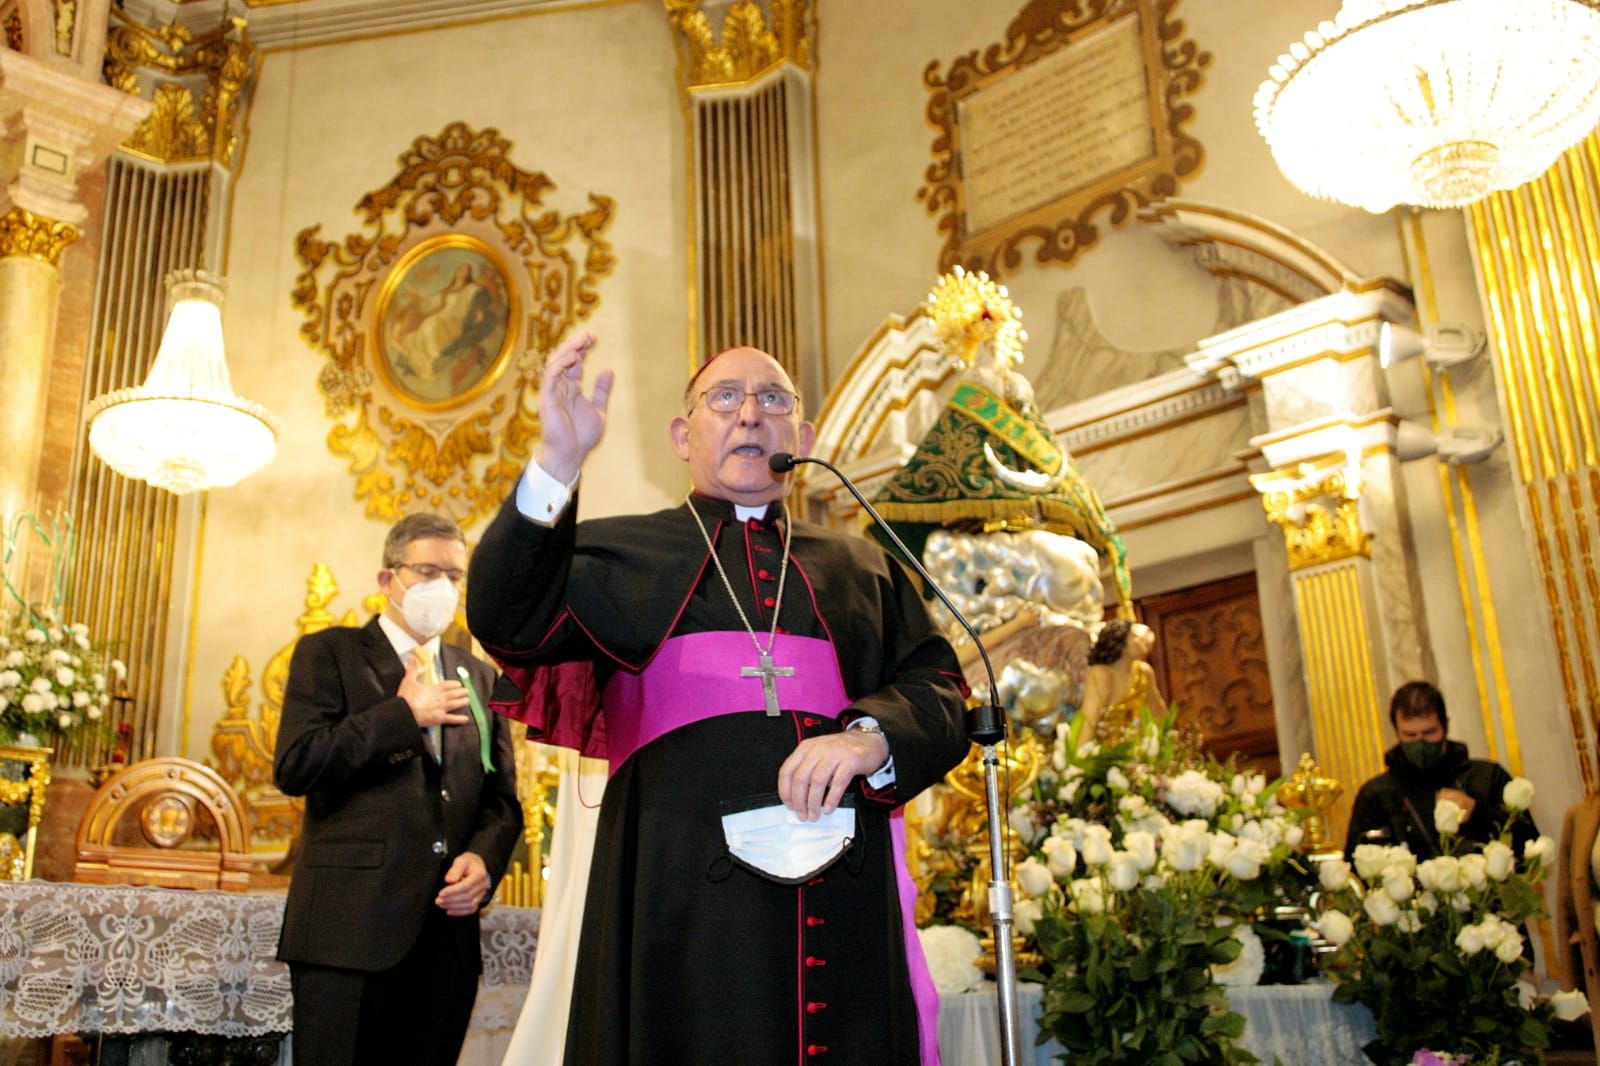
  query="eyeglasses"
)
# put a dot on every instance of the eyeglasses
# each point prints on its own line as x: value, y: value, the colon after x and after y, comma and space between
x: 427, y: 571
x: 726, y: 399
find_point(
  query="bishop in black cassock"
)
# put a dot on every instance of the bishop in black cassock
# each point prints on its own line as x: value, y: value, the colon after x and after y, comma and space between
x: 627, y: 639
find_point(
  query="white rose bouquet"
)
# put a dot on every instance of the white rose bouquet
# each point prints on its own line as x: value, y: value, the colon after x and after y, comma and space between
x: 1436, y: 949
x: 56, y: 681
x: 1141, y: 891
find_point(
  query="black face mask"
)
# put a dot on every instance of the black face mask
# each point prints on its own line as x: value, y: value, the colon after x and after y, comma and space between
x: 1423, y: 754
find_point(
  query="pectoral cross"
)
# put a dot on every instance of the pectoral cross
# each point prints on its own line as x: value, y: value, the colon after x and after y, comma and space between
x: 769, y: 675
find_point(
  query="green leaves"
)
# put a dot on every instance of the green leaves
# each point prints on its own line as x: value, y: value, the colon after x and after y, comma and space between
x: 1133, y: 984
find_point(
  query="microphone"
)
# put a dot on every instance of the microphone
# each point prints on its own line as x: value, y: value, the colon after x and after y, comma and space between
x: 987, y: 725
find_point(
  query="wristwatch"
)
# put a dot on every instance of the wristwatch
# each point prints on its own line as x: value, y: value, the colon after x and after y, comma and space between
x: 867, y: 724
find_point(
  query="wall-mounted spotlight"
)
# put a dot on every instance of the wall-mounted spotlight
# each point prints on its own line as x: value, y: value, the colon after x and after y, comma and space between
x: 1458, y: 445
x: 1446, y: 344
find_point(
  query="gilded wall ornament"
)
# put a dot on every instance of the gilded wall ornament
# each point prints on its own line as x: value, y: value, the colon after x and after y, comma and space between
x: 24, y: 233
x: 1078, y: 114
x: 184, y: 125
x: 15, y: 39
x: 435, y: 321
x: 1313, y: 532
x: 747, y: 46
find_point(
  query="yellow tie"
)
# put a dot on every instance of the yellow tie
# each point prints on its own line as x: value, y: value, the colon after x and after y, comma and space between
x: 430, y: 676
x: 430, y: 668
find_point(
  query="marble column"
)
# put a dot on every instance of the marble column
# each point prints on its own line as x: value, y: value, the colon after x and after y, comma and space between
x: 1331, y: 483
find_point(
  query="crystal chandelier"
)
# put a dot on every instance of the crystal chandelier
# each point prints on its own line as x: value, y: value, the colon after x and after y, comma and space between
x: 184, y: 430
x: 1432, y: 102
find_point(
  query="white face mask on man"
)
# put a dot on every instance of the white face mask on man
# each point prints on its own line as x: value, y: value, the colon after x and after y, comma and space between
x: 429, y: 607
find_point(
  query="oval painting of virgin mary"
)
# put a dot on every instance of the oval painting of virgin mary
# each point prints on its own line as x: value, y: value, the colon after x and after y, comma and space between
x: 445, y: 322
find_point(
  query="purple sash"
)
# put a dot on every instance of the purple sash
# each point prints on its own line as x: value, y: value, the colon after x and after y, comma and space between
x: 696, y: 677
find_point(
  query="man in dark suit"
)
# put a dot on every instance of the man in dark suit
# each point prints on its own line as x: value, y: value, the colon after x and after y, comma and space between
x: 409, y: 820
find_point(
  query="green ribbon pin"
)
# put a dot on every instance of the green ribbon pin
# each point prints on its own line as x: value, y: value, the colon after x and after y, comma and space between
x: 481, y: 717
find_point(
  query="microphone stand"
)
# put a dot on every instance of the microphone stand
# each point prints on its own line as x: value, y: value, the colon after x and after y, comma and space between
x: 987, y: 727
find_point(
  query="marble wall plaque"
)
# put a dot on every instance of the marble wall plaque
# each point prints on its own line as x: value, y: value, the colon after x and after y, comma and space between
x: 1062, y: 124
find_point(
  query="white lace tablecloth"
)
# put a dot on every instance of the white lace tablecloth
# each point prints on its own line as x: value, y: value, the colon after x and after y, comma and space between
x: 1295, y: 1024
x: 116, y: 959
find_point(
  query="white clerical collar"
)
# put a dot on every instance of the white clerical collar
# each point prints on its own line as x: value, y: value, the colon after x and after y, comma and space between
x: 744, y: 514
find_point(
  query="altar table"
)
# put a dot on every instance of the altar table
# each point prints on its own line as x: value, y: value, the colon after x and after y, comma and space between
x: 1300, y: 1025
x: 117, y: 959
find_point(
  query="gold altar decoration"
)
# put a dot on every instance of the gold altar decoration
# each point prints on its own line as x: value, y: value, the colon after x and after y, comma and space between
x: 973, y: 313
x: 181, y: 127
x: 1436, y: 103
x: 1317, y: 534
x: 428, y: 382
x: 537, y: 791
x: 24, y: 777
x: 24, y: 233
x: 15, y: 39
x: 956, y: 835
x: 242, y: 745
x: 747, y: 46
x: 1310, y: 791
x: 1069, y: 173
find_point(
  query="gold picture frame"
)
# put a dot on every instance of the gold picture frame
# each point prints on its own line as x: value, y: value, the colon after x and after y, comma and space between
x: 446, y: 322
x: 435, y: 321
x: 1016, y: 165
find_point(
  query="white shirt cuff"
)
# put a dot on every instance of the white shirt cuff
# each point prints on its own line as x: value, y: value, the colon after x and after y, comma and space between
x: 883, y: 776
x: 540, y: 497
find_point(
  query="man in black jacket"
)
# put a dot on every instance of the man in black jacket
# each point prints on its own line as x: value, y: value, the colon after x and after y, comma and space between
x: 1397, y: 806
x: 411, y: 815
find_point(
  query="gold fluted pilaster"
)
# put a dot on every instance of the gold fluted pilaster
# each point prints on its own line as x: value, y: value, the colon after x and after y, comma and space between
x: 24, y: 233
x: 1479, y: 613
x: 1346, y: 708
x: 1536, y: 249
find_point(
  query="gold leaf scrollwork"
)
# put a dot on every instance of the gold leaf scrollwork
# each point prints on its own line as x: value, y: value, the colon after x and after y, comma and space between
x: 182, y: 126
x: 747, y: 47
x: 173, y: 129
x: 24, y: 233
x: 457, y: 193
x: 1319, y: 534
x: 1060, y: 227
x: 15, y: 40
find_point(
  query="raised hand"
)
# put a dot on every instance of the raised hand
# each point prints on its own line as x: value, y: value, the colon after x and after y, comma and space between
x: 571, y: 423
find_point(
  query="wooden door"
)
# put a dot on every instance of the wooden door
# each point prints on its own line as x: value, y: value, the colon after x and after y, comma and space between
x: 1211, y: 661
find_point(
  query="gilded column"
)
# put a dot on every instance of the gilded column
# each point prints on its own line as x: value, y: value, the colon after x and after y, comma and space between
x: 30, y: 286
x: 1536, y: 250
x: 1332, y: 486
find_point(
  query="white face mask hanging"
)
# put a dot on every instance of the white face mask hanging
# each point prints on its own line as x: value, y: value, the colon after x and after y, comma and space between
x: 429, y: 607
x: 768, y: 838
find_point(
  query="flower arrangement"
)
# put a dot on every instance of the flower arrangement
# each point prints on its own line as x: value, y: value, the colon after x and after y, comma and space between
x: 55, y: 680
x: 1151, y: 859
x: 1435, y: 949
